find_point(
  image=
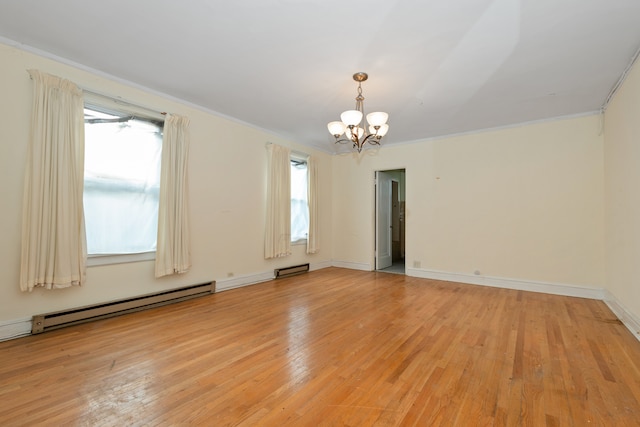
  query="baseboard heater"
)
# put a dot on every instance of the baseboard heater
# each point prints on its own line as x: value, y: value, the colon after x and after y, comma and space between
x: 59, y: 319
x: 290, y: 271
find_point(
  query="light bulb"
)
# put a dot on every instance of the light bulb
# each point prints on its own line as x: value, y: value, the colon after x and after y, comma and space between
x: 336, y: 128
x: 377, y: 118
x: 358, y: 131
x: 382, y: 131
x: 351, y: 117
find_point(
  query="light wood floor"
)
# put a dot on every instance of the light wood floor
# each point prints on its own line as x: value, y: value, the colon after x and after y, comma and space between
x: 334, y: 347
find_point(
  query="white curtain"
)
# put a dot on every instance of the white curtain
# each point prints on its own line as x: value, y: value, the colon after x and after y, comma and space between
x: 173, y: 255
x: 54, y: 250
x: 277, y: 242
x: 312, y: 199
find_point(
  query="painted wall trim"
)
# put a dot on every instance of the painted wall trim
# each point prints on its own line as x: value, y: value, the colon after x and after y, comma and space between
x: 320, y: 265
x: 626, y: 317
x: 240, y: 281
x: 352, y: 265
x: 17, y: 328
x: 517, y: 284
x: 252, y: 279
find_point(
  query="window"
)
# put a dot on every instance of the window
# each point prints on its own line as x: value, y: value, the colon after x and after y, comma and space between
x: 121, y: 181
x: 299, y: 204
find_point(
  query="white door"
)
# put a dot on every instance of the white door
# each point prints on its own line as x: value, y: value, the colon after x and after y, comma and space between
x: 383, y: 220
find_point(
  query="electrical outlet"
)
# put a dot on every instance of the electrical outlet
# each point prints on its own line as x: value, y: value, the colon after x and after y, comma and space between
x: 229, y: 274
x: 416, y: 264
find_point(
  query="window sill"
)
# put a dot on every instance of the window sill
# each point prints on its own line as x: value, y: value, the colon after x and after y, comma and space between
x: 299, y: 242
x: 95, y: 260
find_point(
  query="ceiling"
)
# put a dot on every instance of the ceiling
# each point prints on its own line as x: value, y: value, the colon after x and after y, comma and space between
x: 438, y: 67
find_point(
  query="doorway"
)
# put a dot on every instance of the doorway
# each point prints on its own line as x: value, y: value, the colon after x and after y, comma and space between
x: 390, y: 221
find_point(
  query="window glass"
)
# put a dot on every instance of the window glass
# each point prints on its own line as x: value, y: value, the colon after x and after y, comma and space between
x: 299, y: 205
x: 121, y: 182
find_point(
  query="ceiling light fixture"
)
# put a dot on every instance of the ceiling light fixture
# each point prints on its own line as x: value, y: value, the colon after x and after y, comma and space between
x: 349, y: 129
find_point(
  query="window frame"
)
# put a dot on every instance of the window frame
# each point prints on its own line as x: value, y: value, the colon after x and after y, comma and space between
x: 109, y: 105
x: 299, y: 158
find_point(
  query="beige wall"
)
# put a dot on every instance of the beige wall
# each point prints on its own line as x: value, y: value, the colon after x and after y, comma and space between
x: 524, y: 203
x: 227, y: 190
x: 622, y: 189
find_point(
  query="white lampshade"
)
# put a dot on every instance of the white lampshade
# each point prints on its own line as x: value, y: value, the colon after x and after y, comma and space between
x: 351, y: 117
x: 377, y: 118
x: 336, y: 128
x: 382, y: 130
x: 358, y: 130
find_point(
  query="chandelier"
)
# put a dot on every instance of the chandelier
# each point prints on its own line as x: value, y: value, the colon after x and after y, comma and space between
x: 348, y: 130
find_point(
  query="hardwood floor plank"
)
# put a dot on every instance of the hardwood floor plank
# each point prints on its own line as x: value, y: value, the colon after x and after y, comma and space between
x: 333, y: 347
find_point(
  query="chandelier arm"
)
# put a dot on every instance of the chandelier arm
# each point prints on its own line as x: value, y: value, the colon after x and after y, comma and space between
x: 342, y: 140
x: 358, y: 143
x: 372, y: 139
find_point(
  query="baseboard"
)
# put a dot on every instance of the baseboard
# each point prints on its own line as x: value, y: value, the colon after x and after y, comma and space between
x: 320, y: 265
x: 517, y: 284
x: 240, y: 281
x: 252, y: 279
x: 352, y: 265
x: 10, y: 329
x: 629, y: 320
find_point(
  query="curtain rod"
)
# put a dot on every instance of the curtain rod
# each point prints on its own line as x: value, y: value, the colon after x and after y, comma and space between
x: 121, y: 101
x: 297, y: 153
x: 112, y: 98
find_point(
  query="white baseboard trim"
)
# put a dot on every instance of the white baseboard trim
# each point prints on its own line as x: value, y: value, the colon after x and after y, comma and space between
x: 626, y: 317
x: 516, y: 284
x: 10, y: 329
x: 251, y: 279
x: 320, y: 265
x: 240, y: 281
x: 352, y: 265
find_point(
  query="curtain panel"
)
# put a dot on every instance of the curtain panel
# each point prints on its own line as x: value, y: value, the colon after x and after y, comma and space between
x: 277, y: 242
x: 54, y: 249
x: 312, y: 199
x: 173, y: 248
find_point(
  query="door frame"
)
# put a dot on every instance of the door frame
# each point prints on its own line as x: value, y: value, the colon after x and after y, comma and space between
x: 402, y: 182
x: 383, y: 256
